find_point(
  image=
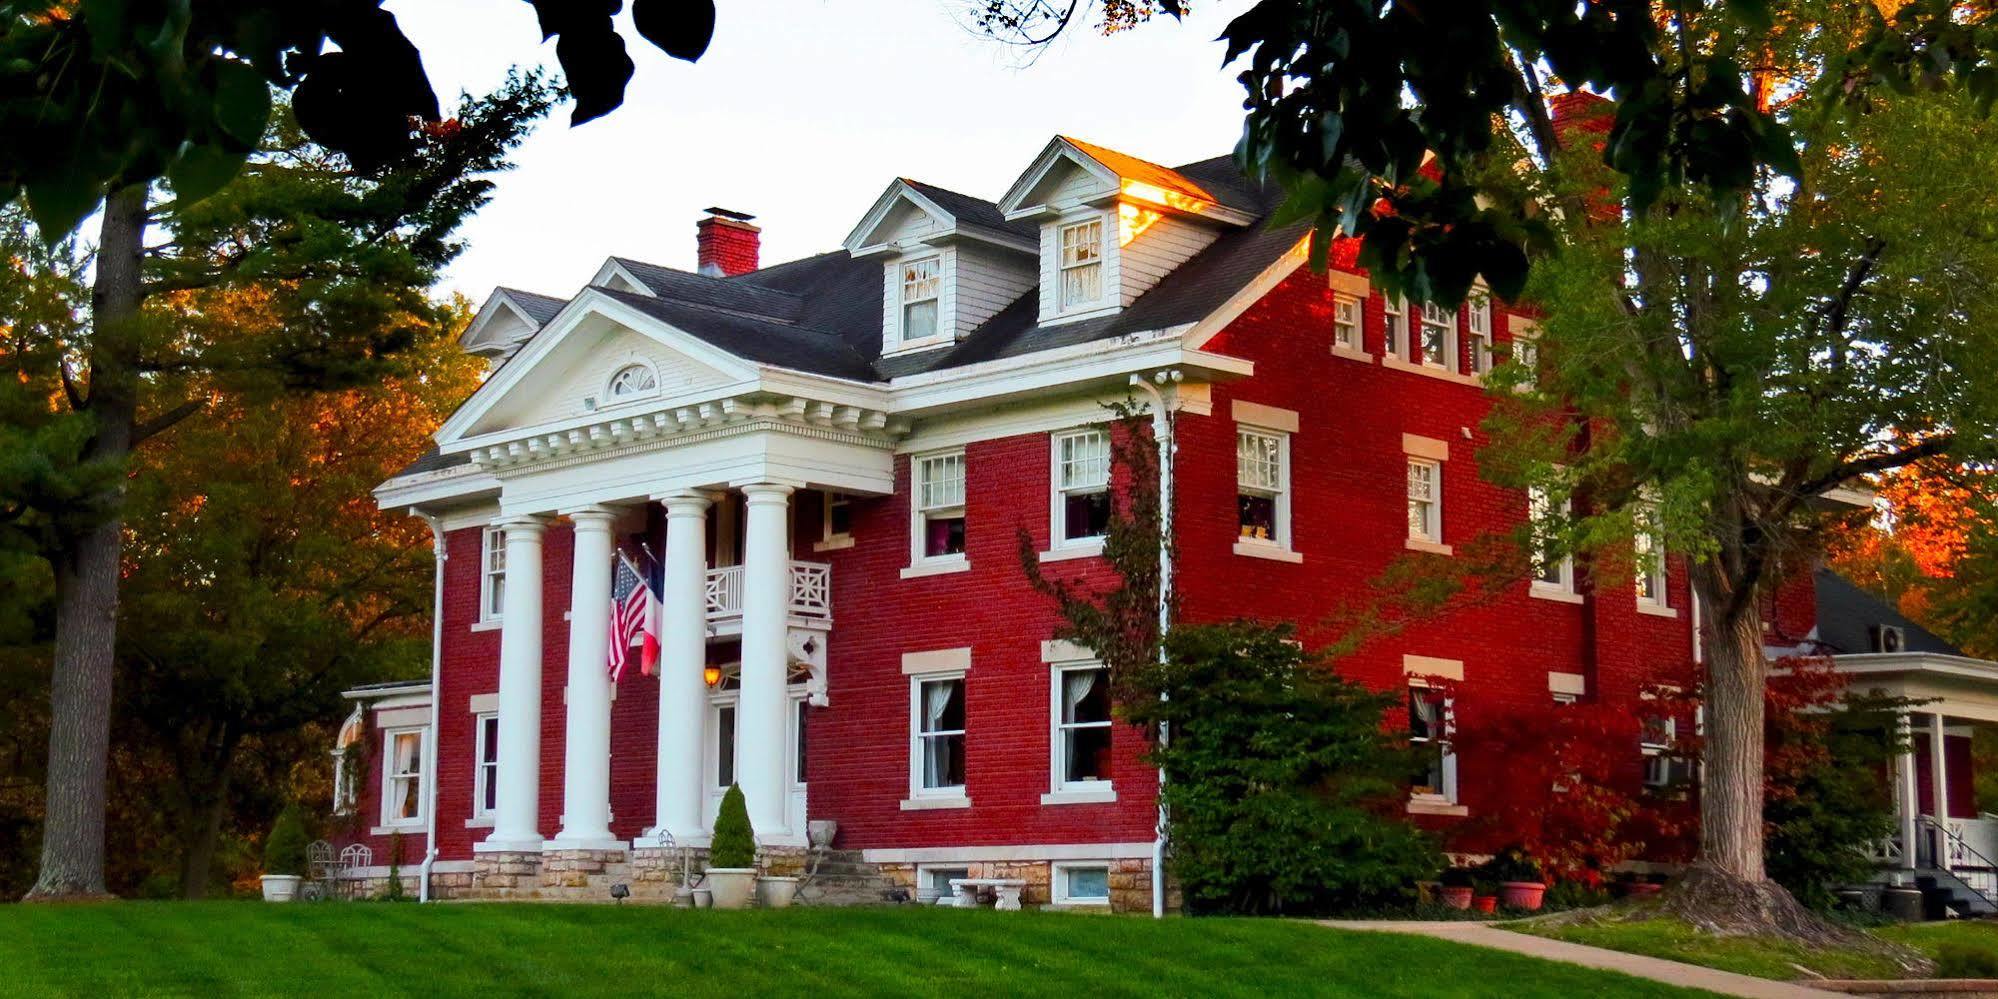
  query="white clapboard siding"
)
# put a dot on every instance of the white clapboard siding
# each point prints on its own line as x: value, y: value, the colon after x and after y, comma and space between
x: 985, y: 281
x: 503, y: 328
x: 1156, y: 251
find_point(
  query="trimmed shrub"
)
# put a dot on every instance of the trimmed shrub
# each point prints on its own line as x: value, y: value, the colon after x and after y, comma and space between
x: 284, y: 851
x: 734, y: 843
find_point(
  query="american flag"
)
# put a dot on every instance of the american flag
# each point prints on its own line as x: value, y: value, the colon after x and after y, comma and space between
x: 629, y: 603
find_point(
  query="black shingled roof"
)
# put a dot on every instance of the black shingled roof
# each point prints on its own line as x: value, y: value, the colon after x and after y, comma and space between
x: 539, y: 308
x: 1847, y: 616
x: 822, y: 314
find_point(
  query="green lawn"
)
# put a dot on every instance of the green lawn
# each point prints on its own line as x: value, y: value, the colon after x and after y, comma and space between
x: 240, y: 948
x: 1771, y: 958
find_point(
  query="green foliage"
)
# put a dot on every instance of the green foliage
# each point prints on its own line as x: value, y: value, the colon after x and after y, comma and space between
x: 734, y: 842
x: 284, y: 851
x: 109, y: 93
x: 1825, y: 811
x: 1956, y: 959
x: 1511, y: 864
x: 392, y: 892
x: 1285, y: 791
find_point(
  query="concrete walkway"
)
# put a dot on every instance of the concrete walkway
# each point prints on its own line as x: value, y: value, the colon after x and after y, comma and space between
x: 1690, y: 976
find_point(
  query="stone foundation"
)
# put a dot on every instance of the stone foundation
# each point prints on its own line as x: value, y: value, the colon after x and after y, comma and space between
x: 505, y: 875
x: 574, y: 868
x: 1130, y: 882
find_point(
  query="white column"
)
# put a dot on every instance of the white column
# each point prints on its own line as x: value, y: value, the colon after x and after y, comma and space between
x: 516, y: 824
x: 1939, y: 780
x: 586, y: 747
x: 683, y: 652
x: 1907, y: 800
x: 766, y: 604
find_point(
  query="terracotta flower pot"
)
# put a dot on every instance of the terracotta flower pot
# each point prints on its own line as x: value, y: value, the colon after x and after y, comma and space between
x: 1523, y: 895
x: 1643, y: 889
x: 1485, y: 903
x: 1458, y: 897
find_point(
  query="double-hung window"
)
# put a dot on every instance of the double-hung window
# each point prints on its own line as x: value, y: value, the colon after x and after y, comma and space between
x: 1650, y: 558
x: 937, y: 736
x: 1080, y: 249
x: 835, y: 520
x: 1262, y: 487
x: 1479, y: 320
x: 402, y: 777
x: 1425, y: 501
x: 1396, y: 310
x: 922, y: 285
x: 1082, y: 487
x: 485, y: 761
x: 1663, y: 767
x: 492, y: 573
x: 1346, y: 322
x: 1429, y: 731
x: 1082, y: 728
x: 1553, y: 568
x: 939, y: 496
x: 1439, y: 337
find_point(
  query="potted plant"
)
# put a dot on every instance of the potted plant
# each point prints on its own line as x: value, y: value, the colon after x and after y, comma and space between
x: 1521, y: 885
x: 1484, y: 896
x: 732, y: 854
x: 775, y: 891
x: 284, y: 856
x: 1459, y: 886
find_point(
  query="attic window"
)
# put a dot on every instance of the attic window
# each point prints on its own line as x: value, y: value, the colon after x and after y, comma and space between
x: 1081, y: 249
x: 922, y: 282
x: 632, y: 380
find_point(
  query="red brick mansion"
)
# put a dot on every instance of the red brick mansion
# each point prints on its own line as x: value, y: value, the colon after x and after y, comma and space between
x: 826, y: 464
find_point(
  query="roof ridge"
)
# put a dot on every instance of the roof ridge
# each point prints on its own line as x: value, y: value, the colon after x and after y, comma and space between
x: 722, y: 279
x: 719, y: 310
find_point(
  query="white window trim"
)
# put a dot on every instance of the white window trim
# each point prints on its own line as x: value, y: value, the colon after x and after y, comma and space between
x: 1478, y: 311
x: 1106, y: 296
x: 924, y: 871
x: 612, y: 399
x: 1081, y: 792
x: 1060, y: 546
x: 1431, y: 538
x: 1398, y: 331
x: 1058, y: 883
x: 1449, y: 361
x: 1655, y: 577
x: 1448, y: 802
x: 1357, y: 350
x: 828, y: 539
x: 1562, y: 589
x: 901, y: 341
x: 492, y: 539
x: 1282, y: 547
x: 921, y: 797
x: 481, y: 774
x: 422, y: 733
x: 919, y: 563
x: 1658, y: 764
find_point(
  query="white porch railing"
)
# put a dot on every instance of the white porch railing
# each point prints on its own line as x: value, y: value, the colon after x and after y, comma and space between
x: 811, y: 593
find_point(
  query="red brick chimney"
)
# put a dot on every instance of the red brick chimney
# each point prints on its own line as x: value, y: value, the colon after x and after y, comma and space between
x: 728, y: 243
x: 1582, y: 120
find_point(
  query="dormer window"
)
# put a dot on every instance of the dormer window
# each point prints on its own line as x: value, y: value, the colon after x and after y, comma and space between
x: 1081, y: 263
x: 922, y: 285
x: 632, y: 380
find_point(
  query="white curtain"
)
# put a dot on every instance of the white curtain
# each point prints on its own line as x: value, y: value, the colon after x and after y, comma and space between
x: 1076, y: 685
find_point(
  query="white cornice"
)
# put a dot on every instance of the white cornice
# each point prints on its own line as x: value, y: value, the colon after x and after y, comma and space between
x: 1937, y: 663
x: 1063, y: 367
x: 668, y: 426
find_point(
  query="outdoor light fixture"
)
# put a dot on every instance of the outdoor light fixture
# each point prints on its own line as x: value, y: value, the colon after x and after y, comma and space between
x: 712, y: 674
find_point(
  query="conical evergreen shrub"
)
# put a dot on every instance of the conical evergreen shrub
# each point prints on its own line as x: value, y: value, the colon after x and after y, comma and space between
x: 284, y: 851
x: 734, y: 843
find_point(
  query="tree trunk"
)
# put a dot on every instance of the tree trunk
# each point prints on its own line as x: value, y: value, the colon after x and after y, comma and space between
x: 1731, y: 787
x: 86, y: 567
x: 201, y: 827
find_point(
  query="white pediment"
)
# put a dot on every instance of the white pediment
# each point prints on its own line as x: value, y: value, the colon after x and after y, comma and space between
x: 565, y: 373
x: 1061, y: 177
x: 500, y: 323
x: 902, y: 217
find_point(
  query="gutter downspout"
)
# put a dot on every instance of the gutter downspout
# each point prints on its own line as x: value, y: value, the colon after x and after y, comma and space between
x: 1162, y: 434
x: 430, y: 744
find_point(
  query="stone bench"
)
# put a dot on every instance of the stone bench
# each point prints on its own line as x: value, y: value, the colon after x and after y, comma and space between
x: 964, y: 892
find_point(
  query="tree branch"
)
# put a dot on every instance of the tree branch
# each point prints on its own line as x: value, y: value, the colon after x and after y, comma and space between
x: 1839, y: 313
x: 162, y: 422
x: 1849, y: 470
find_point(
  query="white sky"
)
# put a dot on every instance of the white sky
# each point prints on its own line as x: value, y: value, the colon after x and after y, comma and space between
x: 801, y: 113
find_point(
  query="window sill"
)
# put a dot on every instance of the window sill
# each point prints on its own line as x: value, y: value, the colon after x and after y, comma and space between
x: 1432, y: 547
x: 1441, y: 374
x: 481, y: 822
x: 1077, y: 313
x: 406, y: 827
x: 917, y: 346
x: 1074, y: 550
x: 1081, y: 796
x: 1081, y: 904
x: 836, y: 543
x: 1352, y: 355
x: 937, y: 568
x: 492, y: 625
x: 1556, y: 594
x: 1263, y: 549
x: 1656, y: 609
x: 1435, y: 806
x: 928, y: 804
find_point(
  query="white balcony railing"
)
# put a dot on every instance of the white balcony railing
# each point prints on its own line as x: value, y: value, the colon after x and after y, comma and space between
x: 811, y: 593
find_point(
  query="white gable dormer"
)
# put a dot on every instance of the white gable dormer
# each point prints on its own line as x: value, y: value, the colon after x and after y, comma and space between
x: 943, y: 274
x: 1112, y: 226
x: 506, y: 319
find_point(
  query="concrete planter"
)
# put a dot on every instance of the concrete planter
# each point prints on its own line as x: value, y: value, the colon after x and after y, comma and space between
x: 280, y: 887
x: 776, y: 892
x: 733, y: 887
